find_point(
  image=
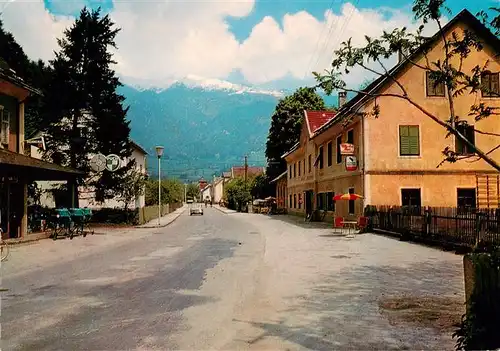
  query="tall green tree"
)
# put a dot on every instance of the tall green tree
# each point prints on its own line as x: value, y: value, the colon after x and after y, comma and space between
x: 35, y: 73
x: 85, y: 113
x: 446, y: 70
x: 286, y: 123
x: 193, y: 190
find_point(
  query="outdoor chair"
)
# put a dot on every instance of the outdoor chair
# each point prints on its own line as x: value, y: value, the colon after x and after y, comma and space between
x: 338, y: 223
x: 362, y: 223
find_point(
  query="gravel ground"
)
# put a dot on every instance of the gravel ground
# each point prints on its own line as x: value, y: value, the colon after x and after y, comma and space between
x: 239, y: 281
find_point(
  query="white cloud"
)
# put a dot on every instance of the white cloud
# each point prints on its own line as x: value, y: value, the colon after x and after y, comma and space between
x: 162, y: 42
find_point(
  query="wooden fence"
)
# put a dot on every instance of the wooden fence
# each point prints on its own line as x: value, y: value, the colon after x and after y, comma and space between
x: 457, y: 226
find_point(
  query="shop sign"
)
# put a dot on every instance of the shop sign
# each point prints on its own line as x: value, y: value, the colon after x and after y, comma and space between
x: 351, y: 163
x: 346, y: 149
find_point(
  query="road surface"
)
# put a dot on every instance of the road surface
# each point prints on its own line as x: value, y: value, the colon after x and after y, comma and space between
x: 228, y: 281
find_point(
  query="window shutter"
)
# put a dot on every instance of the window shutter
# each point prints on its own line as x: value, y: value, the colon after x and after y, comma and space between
x: 404, y: 145
x: 413, y: 140
x: 494, y: 85
x: 470, y: 135
x: 486, y: 84
x: 430, y: 85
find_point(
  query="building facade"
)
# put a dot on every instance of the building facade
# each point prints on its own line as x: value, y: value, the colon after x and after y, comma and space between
x: 281, y: 190
x: 17, y: 170
x: 393, y: 159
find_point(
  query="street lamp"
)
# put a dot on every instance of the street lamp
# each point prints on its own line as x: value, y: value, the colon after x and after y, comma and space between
x: 159, y: 153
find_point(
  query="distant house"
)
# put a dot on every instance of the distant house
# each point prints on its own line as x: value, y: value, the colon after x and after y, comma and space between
x: 206, y: 193
x: 86, y: 195
x: 281, y: 189
x: 252, y: 171
x: 218, y: 189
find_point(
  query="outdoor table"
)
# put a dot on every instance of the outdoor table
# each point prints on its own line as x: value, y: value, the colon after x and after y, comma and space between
x: 349, y: 225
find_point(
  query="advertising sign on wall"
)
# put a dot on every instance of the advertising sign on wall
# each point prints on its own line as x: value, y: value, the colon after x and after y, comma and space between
x: 346, y: 149
x: 351, y: 163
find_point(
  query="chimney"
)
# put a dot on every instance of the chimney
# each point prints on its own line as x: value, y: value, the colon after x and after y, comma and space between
x: 401, y: 54
x: 342, y: 98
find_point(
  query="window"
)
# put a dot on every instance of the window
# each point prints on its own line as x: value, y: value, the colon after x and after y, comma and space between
x: 433, y: 88
x: 351, y: 202
x: 490, y: 84
x: 320, y: 156
x: 350, y: 136
x: 290, y: 173
x: 295, y: 170
x: 409, y: 143
x: 300, y: 201
x: 466, y: 199
x: 411, y: 197
x: 294, y: 200
x: 339, y: 156
x: 329, y: 155
x: 5, y: 126
x: 461, y: 147
x: 300, y: 167
x: 320, y: 201
x: 330, y: 202
x: 290, y: 201
x: 309, y: 160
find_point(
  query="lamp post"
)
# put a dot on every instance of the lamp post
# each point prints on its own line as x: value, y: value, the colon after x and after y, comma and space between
x: 159, y: 153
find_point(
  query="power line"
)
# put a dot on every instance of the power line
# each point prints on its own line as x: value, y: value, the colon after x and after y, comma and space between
x: 327, y: 39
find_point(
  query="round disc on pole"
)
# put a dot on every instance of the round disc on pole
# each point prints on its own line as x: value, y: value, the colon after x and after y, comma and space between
x: 98, y: 163
x: 112, y: 162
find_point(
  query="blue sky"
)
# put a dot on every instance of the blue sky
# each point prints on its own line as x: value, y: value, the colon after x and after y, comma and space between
x: 242, y: 27
x: 271, y: 44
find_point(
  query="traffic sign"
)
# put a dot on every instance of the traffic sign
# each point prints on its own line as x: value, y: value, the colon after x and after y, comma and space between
x: 112, y: 162
x: 98, y: 163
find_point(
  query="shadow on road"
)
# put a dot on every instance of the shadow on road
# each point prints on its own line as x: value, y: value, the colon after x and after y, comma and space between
x: 299, y: 221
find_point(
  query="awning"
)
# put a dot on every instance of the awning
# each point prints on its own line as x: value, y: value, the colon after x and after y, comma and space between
x: 17, y: 165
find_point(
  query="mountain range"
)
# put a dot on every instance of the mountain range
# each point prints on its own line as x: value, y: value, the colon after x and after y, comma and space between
x: 205, y: 126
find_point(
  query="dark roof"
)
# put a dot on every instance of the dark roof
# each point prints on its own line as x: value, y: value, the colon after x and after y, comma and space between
x: 279, y: 177
x: 464, y: 16
x: 14, y: 164
x: 316, y: 119
x: 294, y: 147
x: 10, y: 76
x: 139, y: 147
x: 239, y: 171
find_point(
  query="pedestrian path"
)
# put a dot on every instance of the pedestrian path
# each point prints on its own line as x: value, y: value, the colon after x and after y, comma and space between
x: 224, y: 209
x: 164, y: 220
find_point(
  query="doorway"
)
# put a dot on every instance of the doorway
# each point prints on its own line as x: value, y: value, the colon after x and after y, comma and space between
x: 309, y: 201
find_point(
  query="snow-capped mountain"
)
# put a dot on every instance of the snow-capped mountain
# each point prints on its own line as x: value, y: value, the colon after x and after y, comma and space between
x: 193, y: 81
x: 205, y: 125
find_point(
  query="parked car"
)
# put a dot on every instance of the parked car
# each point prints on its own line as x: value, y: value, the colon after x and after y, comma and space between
x: 195, y: 208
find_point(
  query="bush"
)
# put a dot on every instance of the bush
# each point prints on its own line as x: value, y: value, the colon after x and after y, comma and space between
x: 115, y: 216
x: 479, y: 329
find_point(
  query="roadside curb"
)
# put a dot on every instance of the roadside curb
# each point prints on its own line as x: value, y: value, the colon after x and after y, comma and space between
x: 174, y: 217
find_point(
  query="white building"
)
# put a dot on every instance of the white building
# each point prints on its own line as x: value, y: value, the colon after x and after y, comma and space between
x: 86, y: 196
x: 206, y: 193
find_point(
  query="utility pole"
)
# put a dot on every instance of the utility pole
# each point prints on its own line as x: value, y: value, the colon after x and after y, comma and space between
x: 246, y: 169
x: 185, y: 193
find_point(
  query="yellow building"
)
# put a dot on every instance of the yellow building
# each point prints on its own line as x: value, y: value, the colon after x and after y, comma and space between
x: 396, y: 155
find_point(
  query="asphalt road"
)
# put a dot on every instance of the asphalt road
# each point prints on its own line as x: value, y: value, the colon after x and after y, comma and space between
x: 230, y: 282
x: 130, y: 296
